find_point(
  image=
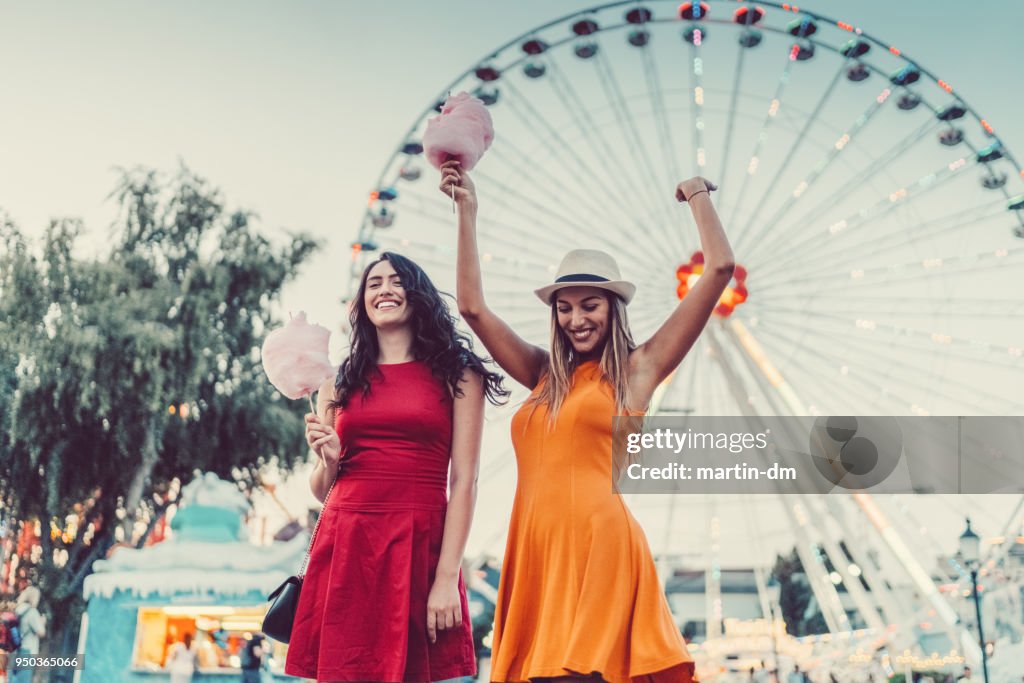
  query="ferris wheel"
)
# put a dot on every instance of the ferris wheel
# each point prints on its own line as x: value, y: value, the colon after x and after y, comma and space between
x: 876, y: 218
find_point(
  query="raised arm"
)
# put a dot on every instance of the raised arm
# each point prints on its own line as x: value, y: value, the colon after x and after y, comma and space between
x: 521, y: 360
x: 657, y: 357
x: 444, y: 605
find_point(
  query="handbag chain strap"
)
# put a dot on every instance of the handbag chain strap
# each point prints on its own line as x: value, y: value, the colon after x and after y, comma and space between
x: 319, y: 517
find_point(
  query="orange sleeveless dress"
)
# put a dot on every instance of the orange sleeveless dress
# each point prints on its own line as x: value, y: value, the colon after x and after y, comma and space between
x: 579, y: 592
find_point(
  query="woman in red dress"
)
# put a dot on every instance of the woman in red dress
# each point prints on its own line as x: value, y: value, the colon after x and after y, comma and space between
x: 383, y: 597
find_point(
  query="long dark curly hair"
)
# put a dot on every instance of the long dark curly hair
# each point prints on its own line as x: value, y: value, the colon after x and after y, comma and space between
x: 436, y: 342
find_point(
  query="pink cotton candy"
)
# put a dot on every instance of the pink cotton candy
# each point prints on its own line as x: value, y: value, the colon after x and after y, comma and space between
x: 295, y: 357
x: 463, y: 131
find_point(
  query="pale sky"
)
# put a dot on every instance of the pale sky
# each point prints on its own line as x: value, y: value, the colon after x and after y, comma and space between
x: 292, y: 109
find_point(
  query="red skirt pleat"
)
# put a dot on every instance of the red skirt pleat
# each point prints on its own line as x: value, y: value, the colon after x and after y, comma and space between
x: 362, y: 609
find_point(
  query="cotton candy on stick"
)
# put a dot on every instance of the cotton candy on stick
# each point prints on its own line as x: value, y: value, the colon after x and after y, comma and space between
x: 463, y: 131
x: 295, y: 358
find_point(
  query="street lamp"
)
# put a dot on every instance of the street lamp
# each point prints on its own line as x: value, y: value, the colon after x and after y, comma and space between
x: 970, y: 551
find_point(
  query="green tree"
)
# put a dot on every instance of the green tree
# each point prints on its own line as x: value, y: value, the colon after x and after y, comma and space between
x: 123, y: 374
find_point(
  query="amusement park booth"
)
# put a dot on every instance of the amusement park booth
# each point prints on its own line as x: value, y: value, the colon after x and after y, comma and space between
x: 205, y: 582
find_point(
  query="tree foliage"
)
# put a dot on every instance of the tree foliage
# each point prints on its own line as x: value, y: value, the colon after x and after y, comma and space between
x: 122, y: 374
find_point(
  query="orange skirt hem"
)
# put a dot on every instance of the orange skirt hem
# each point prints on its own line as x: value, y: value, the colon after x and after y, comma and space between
x: 660, y: 671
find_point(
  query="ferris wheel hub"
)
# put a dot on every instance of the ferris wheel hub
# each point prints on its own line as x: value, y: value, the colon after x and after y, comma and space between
x: 688, y: 274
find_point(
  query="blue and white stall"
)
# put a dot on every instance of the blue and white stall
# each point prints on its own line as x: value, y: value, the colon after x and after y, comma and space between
x: 206, y: 582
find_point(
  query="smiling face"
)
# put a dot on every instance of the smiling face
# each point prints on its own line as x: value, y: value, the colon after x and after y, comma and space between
x: 385, y: 300
x: 583, y: 314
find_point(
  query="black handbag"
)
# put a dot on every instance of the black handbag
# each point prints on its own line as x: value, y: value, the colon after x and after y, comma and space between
x: 280, y: 617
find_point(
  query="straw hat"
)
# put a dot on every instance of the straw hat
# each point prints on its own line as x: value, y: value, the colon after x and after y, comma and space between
x: 588, y: 268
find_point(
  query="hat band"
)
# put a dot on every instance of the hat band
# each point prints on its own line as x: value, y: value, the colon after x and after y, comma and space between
x: 581, y: 277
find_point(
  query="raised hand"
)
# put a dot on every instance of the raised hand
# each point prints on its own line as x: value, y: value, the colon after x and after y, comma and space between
x: 453, y: 176
x: 688, y: 188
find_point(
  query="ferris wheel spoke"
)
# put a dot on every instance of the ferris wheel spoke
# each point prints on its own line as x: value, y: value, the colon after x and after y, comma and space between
x: 605, y: 209
x: 646, y: 280
x: 656, y: 95
x: 730, y: 121
x: 632, y: 138
x: 867, y: 250
x: 870, y: 391
x: 600, y: 146
x: 876, y: 167
x: 537, y: 229
x: 808, y: 182
x: 646, y: 321
x: 755, y: 155
x: 900, y: 306
x: 578, y: 167
x: 592, y: 133
x: 837, y: 245
x: 867, y: 219
x: 522, y: 166
x: 635, y: 145
x: 872, y: 326
x: 563, y: 221
x: 575, y: 167
x: 691, y: 393
x: 674, y: 400
x: 530, y: 224
x: 865, y: 351
x: 696, y: 98
x: 815, y: 396
x: 883, y: 276
x: 548, y: 183
x: 667, y: 143
x: 670, y: 400
x: 920, y: 341
x: 496, y: 268
x: 442, y: 264
x: 747, y: 233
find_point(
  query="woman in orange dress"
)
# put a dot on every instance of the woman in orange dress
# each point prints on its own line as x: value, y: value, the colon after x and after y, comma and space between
x: 579, y: 595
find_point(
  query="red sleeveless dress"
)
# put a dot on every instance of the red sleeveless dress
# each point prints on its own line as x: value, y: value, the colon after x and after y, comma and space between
x: 362, y: 613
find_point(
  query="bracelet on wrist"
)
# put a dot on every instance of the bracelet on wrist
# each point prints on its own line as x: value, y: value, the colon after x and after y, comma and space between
x: 697, y: 193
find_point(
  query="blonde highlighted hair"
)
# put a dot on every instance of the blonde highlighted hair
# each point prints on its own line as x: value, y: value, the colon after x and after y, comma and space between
x: 563, y: 361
